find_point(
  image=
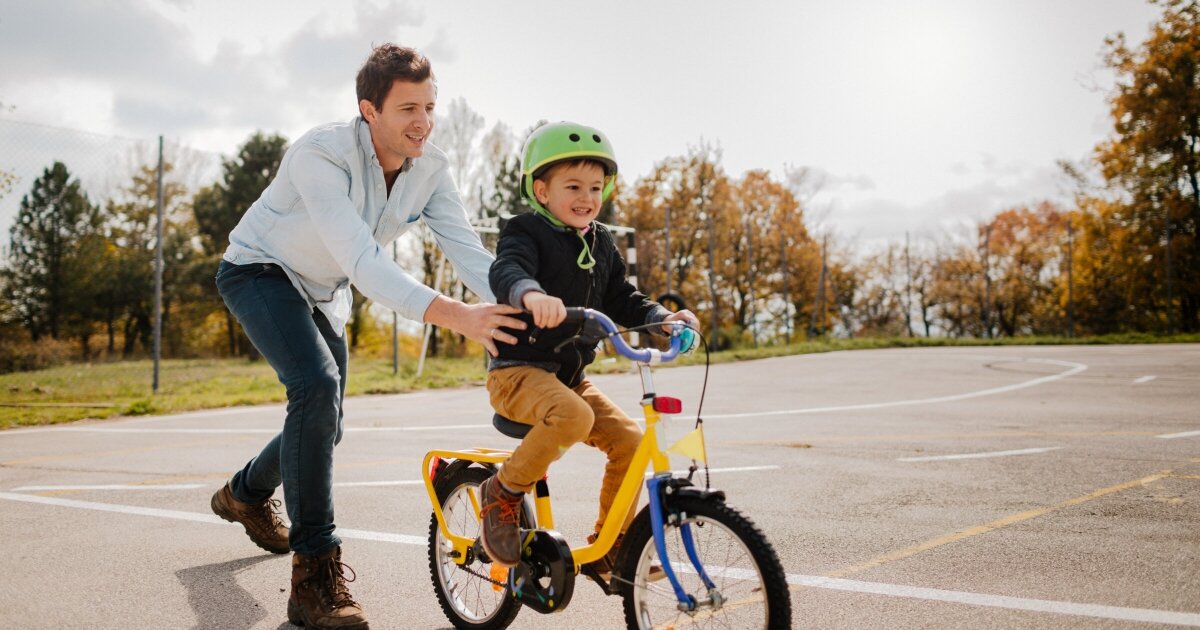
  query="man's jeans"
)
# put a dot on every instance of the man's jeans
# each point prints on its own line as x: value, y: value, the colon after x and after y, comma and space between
x: 310, y: 359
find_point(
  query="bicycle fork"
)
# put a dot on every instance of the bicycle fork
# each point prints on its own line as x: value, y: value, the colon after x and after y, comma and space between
x: 660, y: 485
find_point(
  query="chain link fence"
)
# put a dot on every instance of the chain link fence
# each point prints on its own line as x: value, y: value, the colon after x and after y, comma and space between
x: 42, y: 259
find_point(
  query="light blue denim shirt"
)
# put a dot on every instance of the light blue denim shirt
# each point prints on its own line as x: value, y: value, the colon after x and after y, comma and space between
x: 327, y: 218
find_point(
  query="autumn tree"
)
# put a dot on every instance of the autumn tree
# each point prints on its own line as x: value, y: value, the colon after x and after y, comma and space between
x: 1154, y: 159
x: 132, y: 220
x: 1024, y: 259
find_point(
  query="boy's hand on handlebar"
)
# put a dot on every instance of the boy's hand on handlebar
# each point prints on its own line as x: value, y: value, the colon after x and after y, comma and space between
x: 685, y: 316
x: 547, y: 310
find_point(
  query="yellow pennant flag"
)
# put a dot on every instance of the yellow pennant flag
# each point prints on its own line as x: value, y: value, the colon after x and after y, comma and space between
x: 691, y: 446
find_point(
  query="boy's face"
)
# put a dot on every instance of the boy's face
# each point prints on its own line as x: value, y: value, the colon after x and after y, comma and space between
x: 572, y: 193
x: 401, y: 125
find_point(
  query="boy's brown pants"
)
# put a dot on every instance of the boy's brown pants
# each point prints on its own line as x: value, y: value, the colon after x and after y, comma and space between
x: 560, y: 417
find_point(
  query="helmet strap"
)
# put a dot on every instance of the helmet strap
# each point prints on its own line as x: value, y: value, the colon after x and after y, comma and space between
x: 585, y: 260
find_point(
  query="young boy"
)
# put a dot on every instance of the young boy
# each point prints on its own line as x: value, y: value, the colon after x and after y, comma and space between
x: 555, y: 257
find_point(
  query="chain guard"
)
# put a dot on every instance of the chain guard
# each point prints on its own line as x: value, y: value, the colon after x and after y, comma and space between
x: 544, y: 579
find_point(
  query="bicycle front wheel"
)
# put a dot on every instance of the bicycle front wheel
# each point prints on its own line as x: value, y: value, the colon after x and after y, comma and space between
x: 750, y: 587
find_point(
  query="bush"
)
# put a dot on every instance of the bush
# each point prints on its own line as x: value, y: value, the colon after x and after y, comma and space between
x: 24, y: 355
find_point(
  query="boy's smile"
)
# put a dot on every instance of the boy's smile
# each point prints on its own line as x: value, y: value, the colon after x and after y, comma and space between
x: 573, y: 193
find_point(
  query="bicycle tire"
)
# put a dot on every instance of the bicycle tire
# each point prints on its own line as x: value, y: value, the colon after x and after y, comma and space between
x: 733, y: 551
x: 469, y: 601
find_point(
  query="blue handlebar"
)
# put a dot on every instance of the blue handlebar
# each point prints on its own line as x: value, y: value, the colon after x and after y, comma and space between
x: 641, y: 355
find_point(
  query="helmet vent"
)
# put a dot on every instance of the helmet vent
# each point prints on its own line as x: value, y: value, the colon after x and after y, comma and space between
x: 574, y: 137
x: 596, y: 138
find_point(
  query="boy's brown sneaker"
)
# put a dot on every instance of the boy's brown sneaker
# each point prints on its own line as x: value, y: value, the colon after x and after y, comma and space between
x: 500, y: 533
x: 319, y: 597
x: 261, y: 520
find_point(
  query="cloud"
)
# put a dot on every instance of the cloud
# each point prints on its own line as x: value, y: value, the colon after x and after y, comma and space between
x: 160, y: 84
x: 1004, y: 186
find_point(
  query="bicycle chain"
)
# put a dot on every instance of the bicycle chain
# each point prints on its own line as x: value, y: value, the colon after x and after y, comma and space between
x: 486, y: 578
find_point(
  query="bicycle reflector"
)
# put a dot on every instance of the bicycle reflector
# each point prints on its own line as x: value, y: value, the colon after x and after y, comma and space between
x: 666, y: 404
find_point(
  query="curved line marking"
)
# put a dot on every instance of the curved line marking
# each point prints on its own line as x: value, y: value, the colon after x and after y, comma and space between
x: 1075, y: 368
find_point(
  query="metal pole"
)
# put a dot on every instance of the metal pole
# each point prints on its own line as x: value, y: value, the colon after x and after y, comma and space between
x: 787, y: 290
x: 158, y: 270
x: 812, y: 322
x: 631, y: 272
x: 750, y: 267
x: 1170, y: 296
x: 395, y: 328
x: 437, y: 286
x: 1070, y: 277
x: 667, y: 236
x: 987, y: 280
x: 907, y: 287
x: 712, y: 281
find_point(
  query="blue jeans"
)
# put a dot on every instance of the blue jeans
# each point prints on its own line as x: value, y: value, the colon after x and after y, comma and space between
x: 309, y: 358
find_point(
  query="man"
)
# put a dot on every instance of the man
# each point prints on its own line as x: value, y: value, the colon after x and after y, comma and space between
x: 343, y: 192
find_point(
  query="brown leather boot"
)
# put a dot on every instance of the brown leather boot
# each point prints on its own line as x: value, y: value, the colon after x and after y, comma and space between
x: 261, y: 520
x: 500, y: 532
x: 319, y: 596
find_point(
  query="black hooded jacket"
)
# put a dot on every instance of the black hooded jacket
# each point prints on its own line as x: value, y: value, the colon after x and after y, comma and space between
x: 533, y: 254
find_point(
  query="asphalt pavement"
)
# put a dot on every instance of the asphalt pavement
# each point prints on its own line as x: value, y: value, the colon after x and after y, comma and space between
x: 1014, y: 487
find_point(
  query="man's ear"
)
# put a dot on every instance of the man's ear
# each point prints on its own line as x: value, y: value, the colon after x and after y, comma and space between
x: 367, y: 110
x: 539, y: 191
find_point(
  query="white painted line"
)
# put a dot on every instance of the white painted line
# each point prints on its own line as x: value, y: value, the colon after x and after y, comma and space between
x: 891, y: 590
x: 341, y: 484
x: 90, y: 429
x: 1147, y: 615
x: 119, y: 509
x: 165, y: 486
x: 734, y: 469
x: 1075, y: 368
x: 196, y: 517
x: 1172, y: 436
x: 1143, y: 379
x: 1024, y: 451
x: 372, y: 484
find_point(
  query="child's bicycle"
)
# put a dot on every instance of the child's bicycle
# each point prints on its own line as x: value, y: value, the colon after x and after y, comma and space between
x: 720, y: 571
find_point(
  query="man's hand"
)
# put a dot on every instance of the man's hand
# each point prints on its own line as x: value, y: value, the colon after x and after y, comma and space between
x: 481, y: 322
x: 684, y: 316
x: 548, y: 311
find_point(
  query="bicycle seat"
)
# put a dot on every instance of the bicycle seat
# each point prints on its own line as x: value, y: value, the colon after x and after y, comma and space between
x: 510, y: 428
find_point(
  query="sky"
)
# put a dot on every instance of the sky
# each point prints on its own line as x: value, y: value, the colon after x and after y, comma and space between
x: 916, y: 117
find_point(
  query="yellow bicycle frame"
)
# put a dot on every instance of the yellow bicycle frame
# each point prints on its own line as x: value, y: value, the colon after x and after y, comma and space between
x: 648, y: 453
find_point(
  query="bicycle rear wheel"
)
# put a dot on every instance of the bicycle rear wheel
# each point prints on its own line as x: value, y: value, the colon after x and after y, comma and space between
x: 469, y: 599
x: 751, y: 588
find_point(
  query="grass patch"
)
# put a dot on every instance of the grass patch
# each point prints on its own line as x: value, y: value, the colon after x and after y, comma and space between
x: 79, y: 391
x: 75, y: 392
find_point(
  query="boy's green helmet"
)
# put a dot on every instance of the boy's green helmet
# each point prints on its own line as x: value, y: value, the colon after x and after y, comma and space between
x: 555, y: 142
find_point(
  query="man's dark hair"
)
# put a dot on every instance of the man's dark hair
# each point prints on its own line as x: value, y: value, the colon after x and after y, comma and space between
x: 387, y: 64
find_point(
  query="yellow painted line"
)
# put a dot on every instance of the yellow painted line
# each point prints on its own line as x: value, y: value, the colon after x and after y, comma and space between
x: 908, y: 552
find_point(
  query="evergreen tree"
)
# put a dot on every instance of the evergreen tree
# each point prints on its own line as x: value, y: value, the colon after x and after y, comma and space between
x: 52, y: 245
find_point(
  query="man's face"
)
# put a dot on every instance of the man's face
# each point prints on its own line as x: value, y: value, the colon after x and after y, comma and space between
x: 573, y: 194
x: 402, y: 124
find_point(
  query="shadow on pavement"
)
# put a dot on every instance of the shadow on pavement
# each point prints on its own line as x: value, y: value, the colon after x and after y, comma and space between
x: 218, y: 601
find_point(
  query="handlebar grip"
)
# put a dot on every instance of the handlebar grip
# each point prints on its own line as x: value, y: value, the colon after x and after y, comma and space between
x: 575, y: 315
